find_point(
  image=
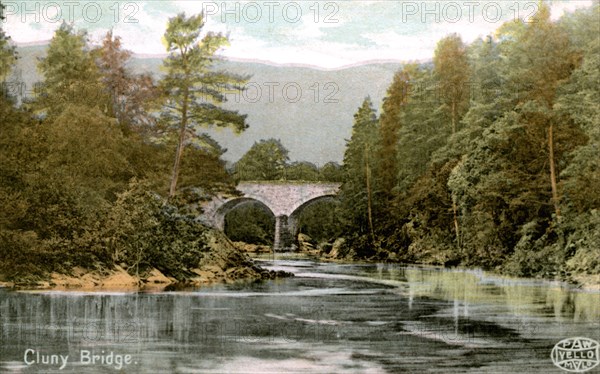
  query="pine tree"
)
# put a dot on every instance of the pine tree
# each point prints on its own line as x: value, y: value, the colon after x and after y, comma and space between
x: 389, y: 126
x: 541, y: 60
x: 357, y: 190
x: 451, y: 68
x: 193, y: 91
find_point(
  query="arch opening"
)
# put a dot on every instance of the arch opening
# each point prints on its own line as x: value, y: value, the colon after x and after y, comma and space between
x: 248, y: 220
x: 316, y: 218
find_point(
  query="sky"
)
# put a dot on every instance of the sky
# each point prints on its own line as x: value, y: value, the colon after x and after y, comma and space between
x: 321, y: 34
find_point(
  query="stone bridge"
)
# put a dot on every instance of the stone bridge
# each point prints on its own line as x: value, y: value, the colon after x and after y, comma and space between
x: 285, y: 199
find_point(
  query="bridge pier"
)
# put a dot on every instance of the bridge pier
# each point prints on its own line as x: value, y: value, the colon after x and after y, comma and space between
x: 283, y: 237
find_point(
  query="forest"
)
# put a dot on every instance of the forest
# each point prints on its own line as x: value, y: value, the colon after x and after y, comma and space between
x: 487, y: 156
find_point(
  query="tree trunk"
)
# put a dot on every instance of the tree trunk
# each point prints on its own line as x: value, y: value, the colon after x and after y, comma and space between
x: 456, y: 227
x: 369, y: 207
x: 553, y: 171
x: 180, y: 146
x: 454, y: 208
x: 453, y: 117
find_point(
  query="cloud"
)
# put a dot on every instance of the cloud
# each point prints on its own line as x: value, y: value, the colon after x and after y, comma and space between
x: 563, y: 6
x: 365, y: 30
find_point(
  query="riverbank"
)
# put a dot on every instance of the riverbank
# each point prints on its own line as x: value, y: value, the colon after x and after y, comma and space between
x: 223, y: 263
x: 338, y: 252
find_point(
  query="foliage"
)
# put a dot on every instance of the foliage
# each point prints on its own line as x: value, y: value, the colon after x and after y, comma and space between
x: 70, y: 75
x: 497, y: 158
x: 131, y: 96
x: 356, y: 210
x: 302, y: 171
x: 266, y: 160
x: 8, y: 55
x: 193, y: 92
x: 320, y: 220
x: 251, y: 223
x: 81, y: 179
x: 331, y: 172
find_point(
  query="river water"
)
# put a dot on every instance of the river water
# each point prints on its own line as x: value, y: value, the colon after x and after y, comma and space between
x: 329, y: 318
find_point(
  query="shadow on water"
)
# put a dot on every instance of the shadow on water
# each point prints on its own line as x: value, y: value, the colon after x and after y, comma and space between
x: 329, y: 318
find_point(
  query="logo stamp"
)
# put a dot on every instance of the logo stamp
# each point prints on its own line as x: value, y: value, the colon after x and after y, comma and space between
x: 576, y: 355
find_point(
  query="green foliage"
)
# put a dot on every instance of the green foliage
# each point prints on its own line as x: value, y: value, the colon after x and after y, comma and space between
x: 193, y: 92
x: 81, y: 181
x: 70, y: 75
x: 390, y: 123
x: 497, y: 159
x: 266, y: 160
x: 140, y: 232
x: 203, y: 168
x: 320, y: 221
x: 269, y: 160
x: 583, y: 243
x: 332, y: 172
x: 302, y: 171
x: 250, y: 223
x: 451, y: 69
x: 8, y: 55
x: 355, y: 193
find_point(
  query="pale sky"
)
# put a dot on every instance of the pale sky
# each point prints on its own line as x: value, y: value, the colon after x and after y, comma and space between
x: 325, y: 34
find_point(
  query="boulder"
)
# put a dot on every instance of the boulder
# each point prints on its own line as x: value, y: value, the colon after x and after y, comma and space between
x: 337, y: 249
x: 305, y: 243
x: 156, y: 277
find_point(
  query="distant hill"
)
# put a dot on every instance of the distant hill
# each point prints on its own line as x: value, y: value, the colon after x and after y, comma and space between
x: 313, y: 124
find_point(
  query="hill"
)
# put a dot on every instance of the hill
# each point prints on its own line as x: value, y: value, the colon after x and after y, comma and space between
x: 308, y: 109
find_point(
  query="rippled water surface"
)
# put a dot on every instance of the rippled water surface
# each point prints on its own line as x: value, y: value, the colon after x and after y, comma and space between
x: 330, y: 318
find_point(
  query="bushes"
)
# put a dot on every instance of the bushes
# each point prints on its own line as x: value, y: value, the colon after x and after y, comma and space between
x: 141, y: 232
x: 22, y: 255
x: 584, y: 243
x: 137, y: 231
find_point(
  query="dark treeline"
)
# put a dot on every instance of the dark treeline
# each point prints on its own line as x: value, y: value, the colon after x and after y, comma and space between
x: 268, y: 160
x: 98, y: 167
x: 488, y: 156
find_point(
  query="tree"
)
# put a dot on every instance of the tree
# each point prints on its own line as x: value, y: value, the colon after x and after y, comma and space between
x: 266, y: 160
x: 422, y: 131
x: 130, y: 96
x: 332, y: 172
x: 251, y: 223
x: 451, y: 68
x: 8, y: 55
x: 389, y: 126
x: 540, y: 60
x: 356, y: 191
x: 70, y: 75
x: 202, y: 167
x: 302, y: 171
x: 193, y: 91
x: 579, y: 99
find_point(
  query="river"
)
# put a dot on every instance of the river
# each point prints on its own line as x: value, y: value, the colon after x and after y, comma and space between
x: 329, y: 318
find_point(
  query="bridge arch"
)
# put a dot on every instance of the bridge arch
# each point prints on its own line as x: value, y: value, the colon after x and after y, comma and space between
x: 284, y: 199
x: 293, y: 219
x: 223, y: 210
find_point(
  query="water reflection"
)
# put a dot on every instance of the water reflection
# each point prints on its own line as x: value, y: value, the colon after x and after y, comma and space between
x: 330, y: 318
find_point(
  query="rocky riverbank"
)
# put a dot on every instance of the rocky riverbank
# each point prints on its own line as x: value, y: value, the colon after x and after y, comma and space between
x: 338, y: 251
x: 223, y: 263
